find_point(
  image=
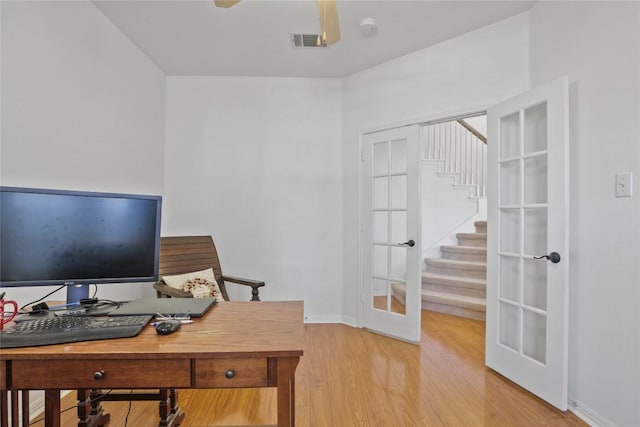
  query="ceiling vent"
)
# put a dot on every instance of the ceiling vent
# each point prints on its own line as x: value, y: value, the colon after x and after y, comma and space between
x: 305, y: 40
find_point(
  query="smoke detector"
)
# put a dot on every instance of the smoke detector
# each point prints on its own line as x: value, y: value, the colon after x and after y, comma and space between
x: 368, y: 27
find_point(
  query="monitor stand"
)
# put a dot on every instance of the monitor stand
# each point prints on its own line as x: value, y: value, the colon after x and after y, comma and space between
x: 77, y: 292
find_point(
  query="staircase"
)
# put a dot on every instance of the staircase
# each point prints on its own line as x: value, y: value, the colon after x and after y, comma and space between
x: 456, y: 283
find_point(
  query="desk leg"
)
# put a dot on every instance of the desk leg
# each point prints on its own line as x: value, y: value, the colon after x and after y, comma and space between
x: 4, y: 408
x: 286, y: 391
x: 15, y: 404
x: 170, y: 414
x: 90, y: 411
x: 84, y: 407
x: 25, y: 407
x: 19, y: 400
x: 164, y: 407
x: 52, y: 408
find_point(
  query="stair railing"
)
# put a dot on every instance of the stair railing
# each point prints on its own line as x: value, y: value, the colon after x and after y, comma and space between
x: 462, y: 151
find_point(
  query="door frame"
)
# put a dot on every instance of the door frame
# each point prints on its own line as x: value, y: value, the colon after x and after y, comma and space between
x: 420, y: 121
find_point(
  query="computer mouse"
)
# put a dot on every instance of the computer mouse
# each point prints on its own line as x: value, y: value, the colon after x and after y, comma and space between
x: 167, y: 327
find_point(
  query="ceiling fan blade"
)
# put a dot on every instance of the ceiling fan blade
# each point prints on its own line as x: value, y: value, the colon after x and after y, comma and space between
x: 329, y: 25
x: 225, y: 3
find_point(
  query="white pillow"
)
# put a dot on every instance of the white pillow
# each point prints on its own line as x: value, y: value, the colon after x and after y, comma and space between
x: 201, y: 284
x: 177, y: 280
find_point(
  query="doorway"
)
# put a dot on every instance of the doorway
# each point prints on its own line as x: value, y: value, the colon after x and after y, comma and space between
x: 527, y: 297
x: 454, y: 229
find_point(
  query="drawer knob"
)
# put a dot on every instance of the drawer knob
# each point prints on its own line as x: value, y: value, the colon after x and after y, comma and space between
x: 98, y: 375
x: 230, y: 374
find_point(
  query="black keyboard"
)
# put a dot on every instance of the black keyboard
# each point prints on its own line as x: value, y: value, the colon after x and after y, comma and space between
x: 68, y: 329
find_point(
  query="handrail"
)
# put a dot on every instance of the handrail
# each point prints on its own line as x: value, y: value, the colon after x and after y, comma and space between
x: 473, y: 130
x: 462, y: 151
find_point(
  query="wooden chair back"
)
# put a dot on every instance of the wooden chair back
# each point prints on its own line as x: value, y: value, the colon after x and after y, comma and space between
x: 185, y: 254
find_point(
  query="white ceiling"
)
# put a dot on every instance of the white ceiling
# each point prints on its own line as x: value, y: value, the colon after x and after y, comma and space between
x: 193, y: 37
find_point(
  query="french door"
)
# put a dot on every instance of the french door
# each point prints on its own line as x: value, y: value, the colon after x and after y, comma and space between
x: 390, y: 233
x: 527, y: 242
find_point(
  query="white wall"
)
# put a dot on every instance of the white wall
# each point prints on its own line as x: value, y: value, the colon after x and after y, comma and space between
x: 255, y: 162
x: 465, y: 74
x: 82, y: 108
x: 597, y: 45
x: 444, y: 210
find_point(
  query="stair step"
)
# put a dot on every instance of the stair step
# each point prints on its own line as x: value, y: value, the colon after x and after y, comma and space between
x: 456, y: 268
x: 457, y: 305
x: 472, y: 239
x: 461, y: 301
x: 468, y: 286
x: 481, y: 226
x: 454, y: 311
x: 464, y: 253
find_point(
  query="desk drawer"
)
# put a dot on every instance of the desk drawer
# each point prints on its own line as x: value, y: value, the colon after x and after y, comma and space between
x: 247, y: 372
x: 72, y: 374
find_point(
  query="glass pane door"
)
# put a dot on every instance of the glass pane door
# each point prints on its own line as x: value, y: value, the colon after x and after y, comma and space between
x: 389, y: 213
x: 390, y: 226
x: 522, y: 210
x: 527, y: 240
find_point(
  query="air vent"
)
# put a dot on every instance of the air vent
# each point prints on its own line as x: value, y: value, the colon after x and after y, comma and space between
x: 305, y: 40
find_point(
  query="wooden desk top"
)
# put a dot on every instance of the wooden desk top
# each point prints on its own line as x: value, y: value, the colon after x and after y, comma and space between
x: 229, y: 329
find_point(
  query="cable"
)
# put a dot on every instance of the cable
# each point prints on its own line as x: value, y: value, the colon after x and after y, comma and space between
x: 85, y: 403
x: 38, y: 300
x: 95, y: 302
x: 126, y: 418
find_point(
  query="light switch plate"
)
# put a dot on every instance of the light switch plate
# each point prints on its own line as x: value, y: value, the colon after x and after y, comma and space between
x: 623, y: 184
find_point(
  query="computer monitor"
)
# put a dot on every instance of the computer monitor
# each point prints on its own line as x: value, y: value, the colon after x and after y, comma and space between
x: 77, y: 238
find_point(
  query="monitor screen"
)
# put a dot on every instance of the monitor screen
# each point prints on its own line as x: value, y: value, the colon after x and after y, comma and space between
x: 55, y: 237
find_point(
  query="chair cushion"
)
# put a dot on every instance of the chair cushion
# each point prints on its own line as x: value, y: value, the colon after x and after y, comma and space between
x: 200, y: 284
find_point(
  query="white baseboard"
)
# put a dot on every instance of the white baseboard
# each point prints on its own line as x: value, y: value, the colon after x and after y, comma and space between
x: 322, y: 319
x: 36, y: 403
x: 587, y: 414
x: 350, y: 321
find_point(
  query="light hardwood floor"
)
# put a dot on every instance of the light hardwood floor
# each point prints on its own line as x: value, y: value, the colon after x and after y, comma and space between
x: 352, y: 377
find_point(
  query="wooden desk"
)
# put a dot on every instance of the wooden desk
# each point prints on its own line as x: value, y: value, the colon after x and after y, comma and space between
x: 236, y: 344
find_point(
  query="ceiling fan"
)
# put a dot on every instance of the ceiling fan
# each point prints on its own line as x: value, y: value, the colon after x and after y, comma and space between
x: 327, y: 11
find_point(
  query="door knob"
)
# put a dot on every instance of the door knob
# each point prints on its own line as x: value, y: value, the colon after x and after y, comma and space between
x: 554, y: 257
x: 409, y: 243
